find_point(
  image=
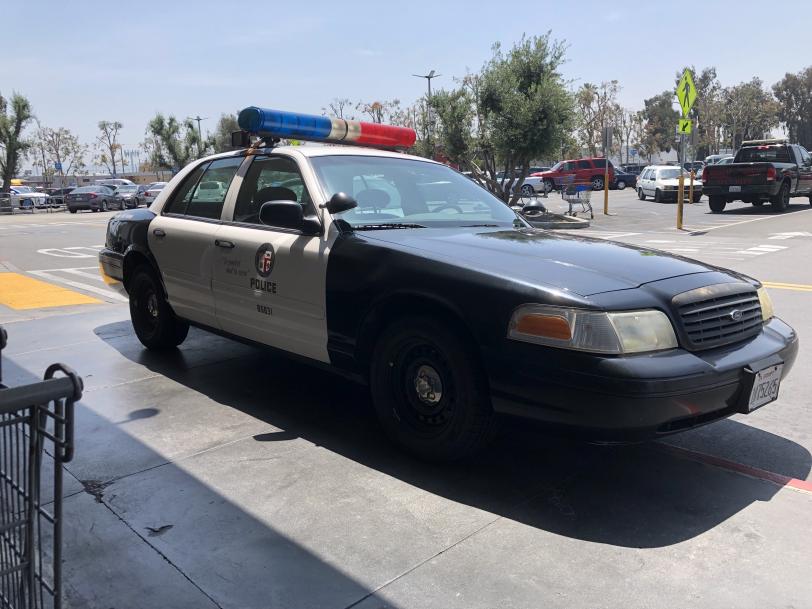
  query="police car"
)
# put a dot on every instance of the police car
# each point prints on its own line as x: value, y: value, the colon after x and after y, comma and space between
x: 402, y: 273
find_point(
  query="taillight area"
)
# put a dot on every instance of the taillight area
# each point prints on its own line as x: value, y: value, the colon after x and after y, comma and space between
x: 93, y: 195
x: 771, y: 173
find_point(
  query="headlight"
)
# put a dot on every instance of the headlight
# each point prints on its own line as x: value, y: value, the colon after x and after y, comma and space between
x: 767, y: 311
x: 595, y: 331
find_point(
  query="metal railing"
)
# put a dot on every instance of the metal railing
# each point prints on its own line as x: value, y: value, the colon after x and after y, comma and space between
x: 35, y: 420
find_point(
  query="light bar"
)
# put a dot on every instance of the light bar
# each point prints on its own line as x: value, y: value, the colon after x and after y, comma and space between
x: 278, y: 123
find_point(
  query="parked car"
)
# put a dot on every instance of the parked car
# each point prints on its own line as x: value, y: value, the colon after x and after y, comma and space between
x: 125, y: 195
x: 714, y: 158
x: 662, y: 183
x: 153, y: 191
x: 697, y: 167
x: 25, y: 197
x: 114, y: 182
x: 57, y: 195
x: 725, y: 160
x: 95, y: 198
x: 763, y: 170
x: 635, y: 168
x: 624, y: 179
x: 585, y: 171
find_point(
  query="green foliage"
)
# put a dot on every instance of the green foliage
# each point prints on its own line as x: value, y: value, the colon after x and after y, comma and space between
x: 750, y: 111
x: 13, y: 119
x: 660, y: 123
x: 173, y: 144
x: 597, y: 109
x: 516, y: 109
x: 226, y: 125
x: 794, y: 96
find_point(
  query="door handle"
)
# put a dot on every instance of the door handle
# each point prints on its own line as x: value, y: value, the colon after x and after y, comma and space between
x: 226, y: 244
x: 159, y: 232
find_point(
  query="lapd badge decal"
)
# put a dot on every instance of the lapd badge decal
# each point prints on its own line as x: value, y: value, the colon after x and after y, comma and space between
x: 265, y: 259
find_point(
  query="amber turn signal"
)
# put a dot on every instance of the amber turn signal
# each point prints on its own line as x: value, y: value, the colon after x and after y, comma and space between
x: 548, y: 326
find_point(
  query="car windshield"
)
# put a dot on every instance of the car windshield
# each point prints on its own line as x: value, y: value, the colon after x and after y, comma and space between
x: 761, y: 154
x: 399, y: 191
x: 557, y: 166
x: 22, y: 189
x: 668, y: 174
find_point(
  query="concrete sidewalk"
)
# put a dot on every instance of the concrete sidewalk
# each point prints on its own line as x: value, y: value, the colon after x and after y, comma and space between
x: 222, y: 476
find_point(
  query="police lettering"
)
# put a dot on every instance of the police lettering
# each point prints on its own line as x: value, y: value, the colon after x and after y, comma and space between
x: 263, y: 285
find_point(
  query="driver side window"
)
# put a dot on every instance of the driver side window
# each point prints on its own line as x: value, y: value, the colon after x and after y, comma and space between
x: 270, y: 179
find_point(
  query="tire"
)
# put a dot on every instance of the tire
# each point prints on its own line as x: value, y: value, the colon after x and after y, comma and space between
x: 449, y: 417
x: 73, y: 211
x: 528, y: 190
x: 781, y: 201
x: 640, y: 194
x: 757, y: 203
x: 697, y: 198
x: 597, y: 183
x: 104, y: 206
x: 621, y: 185
x: 549, y: 186
x: 717, y: 204
x: 153, y: 320
x: 658, y: 197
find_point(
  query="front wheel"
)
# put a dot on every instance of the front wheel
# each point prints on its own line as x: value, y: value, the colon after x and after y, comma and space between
x: 549, y: 186
x: 104, y: 206
x: 781, y: 201
x: 717, y: 204
x: 153, y: 320
x: 597, y: 183
x: 527, y: 190
x: 621, y: 185
x: 429, y: 390
x: 640, y: 194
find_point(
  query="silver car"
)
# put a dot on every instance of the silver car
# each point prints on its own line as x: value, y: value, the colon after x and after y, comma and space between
x: 154, y: 190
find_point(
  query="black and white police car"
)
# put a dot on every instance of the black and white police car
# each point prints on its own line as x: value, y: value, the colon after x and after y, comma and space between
x: 400, y: 272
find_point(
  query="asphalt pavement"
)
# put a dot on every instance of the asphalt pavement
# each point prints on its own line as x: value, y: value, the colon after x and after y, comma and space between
x: 222, y: 476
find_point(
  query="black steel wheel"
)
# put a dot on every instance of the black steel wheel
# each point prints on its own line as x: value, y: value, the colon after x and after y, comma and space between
x: 153, y: 320
x: 429, y: 390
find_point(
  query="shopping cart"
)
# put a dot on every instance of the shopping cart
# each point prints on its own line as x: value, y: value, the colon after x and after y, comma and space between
x: 577, y: 194
x: 35, y: 420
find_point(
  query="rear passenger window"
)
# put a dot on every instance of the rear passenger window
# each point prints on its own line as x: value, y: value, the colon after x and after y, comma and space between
x: 599, y: 163
x: 584, y: 165
x: 203, y: 192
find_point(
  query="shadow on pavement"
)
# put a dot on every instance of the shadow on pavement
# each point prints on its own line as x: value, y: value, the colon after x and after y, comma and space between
x: 120, y: 537
x: 634, y: 496
x: 747, y: 209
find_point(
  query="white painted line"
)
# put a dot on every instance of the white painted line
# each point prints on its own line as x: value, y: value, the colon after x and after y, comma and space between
x: 106, y: 293
x: 682, y: 249
x: 84, y: 274
x: 660, y: 241
x: 773, y: 217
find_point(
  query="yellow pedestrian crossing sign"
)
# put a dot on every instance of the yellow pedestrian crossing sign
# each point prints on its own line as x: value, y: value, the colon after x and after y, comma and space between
x: 684, y: 126
x: 686, y: 93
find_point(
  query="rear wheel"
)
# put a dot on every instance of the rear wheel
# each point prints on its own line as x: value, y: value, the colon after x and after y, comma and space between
x: 757, y: 203
x: 717, y: 204
x: 104, y: 206
x: 549, y: 186
x: 597, y: 183
x: 781, y: 201
x: 621, y: 185
x: 527, y: 190
x: 429, y: 390
x: 153, y: 320
x: 71, y: 210
x: 697, y: 197
x: 640, y: 194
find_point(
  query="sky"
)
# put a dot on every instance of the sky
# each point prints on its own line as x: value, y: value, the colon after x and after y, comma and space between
x: 81, y: 62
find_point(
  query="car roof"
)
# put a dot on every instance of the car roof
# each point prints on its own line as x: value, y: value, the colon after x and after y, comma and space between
x: 316, y: 150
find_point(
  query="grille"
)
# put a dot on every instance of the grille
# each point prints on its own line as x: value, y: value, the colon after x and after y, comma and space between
x: 718, y: 315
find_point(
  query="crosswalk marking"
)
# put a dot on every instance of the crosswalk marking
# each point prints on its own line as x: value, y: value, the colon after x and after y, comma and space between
x: 58, y: 275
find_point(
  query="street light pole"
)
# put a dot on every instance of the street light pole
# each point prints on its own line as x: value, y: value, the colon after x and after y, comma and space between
x: 428, y: 78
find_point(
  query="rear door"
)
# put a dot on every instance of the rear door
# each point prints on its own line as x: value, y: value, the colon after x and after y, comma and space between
x: 182, y: 240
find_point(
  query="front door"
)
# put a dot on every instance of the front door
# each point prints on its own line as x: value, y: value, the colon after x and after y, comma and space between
x: 269, y: 282
x: 182, y: 239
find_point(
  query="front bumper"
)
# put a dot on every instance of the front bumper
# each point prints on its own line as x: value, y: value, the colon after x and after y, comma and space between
x: 671, y: 195
x: 111, y: 268
x: 635, y: 397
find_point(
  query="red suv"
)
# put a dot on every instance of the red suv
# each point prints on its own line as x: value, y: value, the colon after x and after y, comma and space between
x: 589, y: 170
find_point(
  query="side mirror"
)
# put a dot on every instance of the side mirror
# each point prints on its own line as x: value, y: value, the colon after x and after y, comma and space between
x: 288, y: 214
x: 339, y: 202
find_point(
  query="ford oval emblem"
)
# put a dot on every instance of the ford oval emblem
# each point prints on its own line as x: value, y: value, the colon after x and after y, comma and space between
x: 735, y: 315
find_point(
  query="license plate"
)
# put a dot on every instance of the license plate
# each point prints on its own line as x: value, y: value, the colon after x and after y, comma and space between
x: 735, y: 189
x: 765, y: 387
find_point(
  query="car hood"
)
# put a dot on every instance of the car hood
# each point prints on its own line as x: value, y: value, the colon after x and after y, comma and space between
x: 578, y: 265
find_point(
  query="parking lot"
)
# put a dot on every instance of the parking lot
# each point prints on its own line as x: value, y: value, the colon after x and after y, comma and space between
x: 221, y: 475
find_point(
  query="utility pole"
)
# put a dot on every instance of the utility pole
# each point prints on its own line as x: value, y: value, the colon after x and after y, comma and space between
x: 428, y: 78
x: 199, y: 118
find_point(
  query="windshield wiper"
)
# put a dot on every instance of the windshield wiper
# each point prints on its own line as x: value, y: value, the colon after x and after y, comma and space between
x: 480, y: 225
x: 387, y: 225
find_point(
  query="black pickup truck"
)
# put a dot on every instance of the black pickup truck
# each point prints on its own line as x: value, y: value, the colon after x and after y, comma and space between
x: 763, y: 170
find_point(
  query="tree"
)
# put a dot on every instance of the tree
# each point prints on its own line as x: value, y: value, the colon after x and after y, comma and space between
x: 175, y: 144
x: 107, y: 143
x: 12, y: 143
x: 63, y: 150
x: 340, y: 107
x: 794, y: 96
x: 660, y: 123
x: 596, y: 109
x: 750, y: 111
x: 226, y: 125
x: 627, y: 124
x: 379, y: 111
x: 515, y: 110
